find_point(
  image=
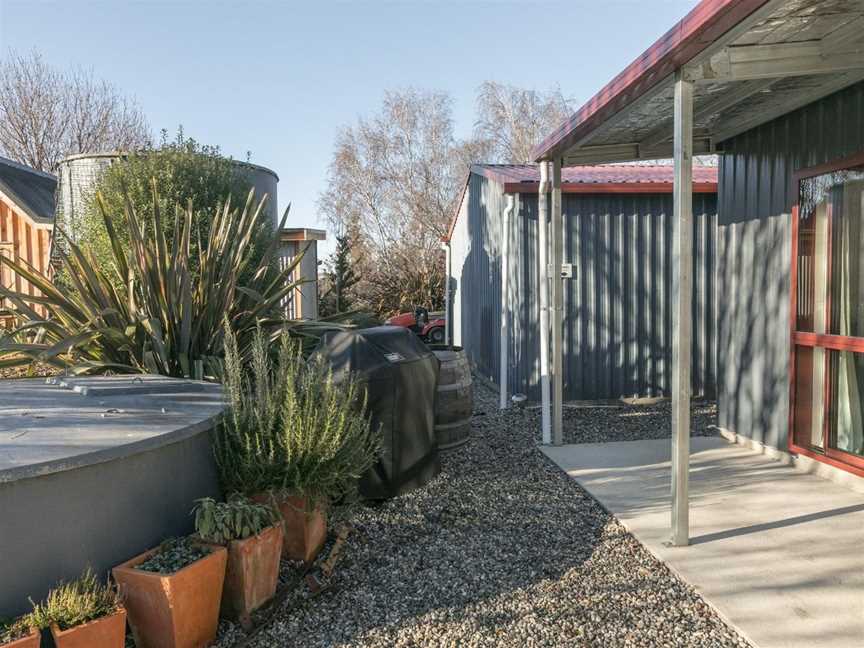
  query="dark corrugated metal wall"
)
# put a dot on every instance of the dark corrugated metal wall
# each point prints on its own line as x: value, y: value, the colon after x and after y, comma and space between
x: 756, y: 195
x: 617, y: 310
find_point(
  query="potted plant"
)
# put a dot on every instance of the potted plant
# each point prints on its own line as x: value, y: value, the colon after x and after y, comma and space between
x: 82, y: 614
x: 19, y: 633
x: 172, y: 593
x: 253, y: 535
x: 292, y: 437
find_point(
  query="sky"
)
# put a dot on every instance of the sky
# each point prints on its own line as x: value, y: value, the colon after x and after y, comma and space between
x: 280, y: 79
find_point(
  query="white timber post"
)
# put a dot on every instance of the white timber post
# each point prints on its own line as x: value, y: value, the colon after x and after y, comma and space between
x: 504, y: 341
x: 682, y: 295
x: 543, y: 293
x: 557, y: 306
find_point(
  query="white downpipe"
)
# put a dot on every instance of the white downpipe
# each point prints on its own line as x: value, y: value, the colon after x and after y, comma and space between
x: 505, y: 302
x: 543, y: 288
x: 448, y: 272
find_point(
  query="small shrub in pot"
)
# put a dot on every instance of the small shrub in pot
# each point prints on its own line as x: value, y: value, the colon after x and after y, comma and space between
x: 292, y: 437
x: 173, y: 592
x: 253, y: 536
x: 83, y: 613
x: 18, y: 633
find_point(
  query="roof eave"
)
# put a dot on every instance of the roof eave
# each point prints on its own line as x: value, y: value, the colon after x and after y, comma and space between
x: 690, y: 37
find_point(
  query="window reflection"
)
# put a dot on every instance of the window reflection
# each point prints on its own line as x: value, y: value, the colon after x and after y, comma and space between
x: 847, y: 386
x: 829, y: 385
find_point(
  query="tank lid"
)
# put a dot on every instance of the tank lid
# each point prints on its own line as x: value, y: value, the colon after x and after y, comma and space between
x: 120, y: 154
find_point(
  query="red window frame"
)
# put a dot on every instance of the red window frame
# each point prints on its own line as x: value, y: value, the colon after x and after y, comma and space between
x: 832, y: 456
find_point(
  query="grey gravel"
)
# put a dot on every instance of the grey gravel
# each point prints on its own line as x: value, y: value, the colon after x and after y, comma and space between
x: 502, y: 549
x: 604, y: 423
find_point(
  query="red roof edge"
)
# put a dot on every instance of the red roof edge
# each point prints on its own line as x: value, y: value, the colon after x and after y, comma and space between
x: 709, y: 20
x: 610, y: 187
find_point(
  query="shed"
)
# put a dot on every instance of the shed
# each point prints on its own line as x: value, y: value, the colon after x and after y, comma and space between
x: 776, y: 87
x: 26, y: 222
x: 302, y: 303
x: 617, y: 309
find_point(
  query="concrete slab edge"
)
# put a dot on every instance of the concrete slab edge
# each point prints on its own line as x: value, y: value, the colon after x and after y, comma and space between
x: 800, y: 463
x: 670, y: 567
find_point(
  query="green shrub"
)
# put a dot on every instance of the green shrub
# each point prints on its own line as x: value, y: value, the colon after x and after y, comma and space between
x: 290, y: 428
x: 236, y: 519
x: 185, y: 172
x: 75, y: 603
x: 13, y: 629
x: 147, y: 311
x: 173, y: 555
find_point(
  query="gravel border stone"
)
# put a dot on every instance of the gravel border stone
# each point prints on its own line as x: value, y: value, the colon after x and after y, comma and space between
x: 502, y: 549
x: 604, y: 423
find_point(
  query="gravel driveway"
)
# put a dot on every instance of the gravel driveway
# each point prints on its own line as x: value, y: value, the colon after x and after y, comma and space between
x: 502, y: 549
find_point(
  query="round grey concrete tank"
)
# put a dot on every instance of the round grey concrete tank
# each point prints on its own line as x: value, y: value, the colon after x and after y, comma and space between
x: 94, y: 470
x: 78, y: 175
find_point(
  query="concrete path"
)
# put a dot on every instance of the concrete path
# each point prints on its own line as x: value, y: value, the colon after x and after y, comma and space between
x: 779, y: 553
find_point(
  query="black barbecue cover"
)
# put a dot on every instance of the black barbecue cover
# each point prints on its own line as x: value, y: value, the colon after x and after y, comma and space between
x: 401, y: 375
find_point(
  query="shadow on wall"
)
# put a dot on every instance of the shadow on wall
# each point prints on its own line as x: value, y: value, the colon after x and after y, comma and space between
x: 618, y: 322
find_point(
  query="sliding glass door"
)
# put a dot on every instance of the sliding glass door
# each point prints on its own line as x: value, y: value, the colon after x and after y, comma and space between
x: 828, y: 316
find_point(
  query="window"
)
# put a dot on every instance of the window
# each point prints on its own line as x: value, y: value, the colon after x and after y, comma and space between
x: 828, y: 316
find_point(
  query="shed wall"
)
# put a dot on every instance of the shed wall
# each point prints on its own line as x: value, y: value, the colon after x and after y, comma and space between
x: 617, y: 324
x: 22, y: 239
x: 756, y: 194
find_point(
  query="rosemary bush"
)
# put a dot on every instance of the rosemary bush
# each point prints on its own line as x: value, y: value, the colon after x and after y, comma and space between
x: 236, y: 519
x: 290, y: 428
x: 71, y: 604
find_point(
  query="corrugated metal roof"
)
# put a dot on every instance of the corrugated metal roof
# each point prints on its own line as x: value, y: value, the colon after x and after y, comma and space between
x: 600, y: 179
x: 751, y: 60
x: 29, y: 189
x: 600, y: 174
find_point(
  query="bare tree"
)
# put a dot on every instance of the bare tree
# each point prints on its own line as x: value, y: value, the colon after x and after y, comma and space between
x: 392, y: 186
x: 47, y: 114
x: 512, y: 121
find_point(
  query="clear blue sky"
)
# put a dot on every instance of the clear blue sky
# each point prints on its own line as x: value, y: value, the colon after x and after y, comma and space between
x: 280, y: 78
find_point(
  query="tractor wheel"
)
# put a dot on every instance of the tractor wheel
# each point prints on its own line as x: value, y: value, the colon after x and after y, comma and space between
x: 436, y: 336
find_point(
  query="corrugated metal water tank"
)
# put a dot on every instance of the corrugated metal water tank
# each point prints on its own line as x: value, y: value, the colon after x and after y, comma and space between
x: 78, y: 175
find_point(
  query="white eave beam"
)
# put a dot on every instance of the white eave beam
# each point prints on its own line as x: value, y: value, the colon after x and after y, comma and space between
x: 726, y: 128
x: 749, y: 62
x: 605, y: 154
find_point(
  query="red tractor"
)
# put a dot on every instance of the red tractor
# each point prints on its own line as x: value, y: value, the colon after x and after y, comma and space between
x: 428, y: 326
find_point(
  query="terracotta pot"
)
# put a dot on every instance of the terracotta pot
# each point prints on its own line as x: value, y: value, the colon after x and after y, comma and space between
x: 305, y: 531
x: 252, y: 574
x: 179, y: 610
x: 107, y: 632
x: 30, y: 641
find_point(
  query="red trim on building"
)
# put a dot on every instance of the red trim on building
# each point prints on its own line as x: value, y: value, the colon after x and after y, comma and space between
x: 597, y: 179
x: 610, y: 188
x: 706, y: 23
x: 828, y: 455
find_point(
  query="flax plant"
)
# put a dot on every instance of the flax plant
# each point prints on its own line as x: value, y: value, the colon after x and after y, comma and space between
x: 290, y: 428
x: 148, y: 311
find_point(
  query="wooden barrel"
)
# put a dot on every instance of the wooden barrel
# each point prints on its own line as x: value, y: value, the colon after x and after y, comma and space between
x: 454, y: 401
